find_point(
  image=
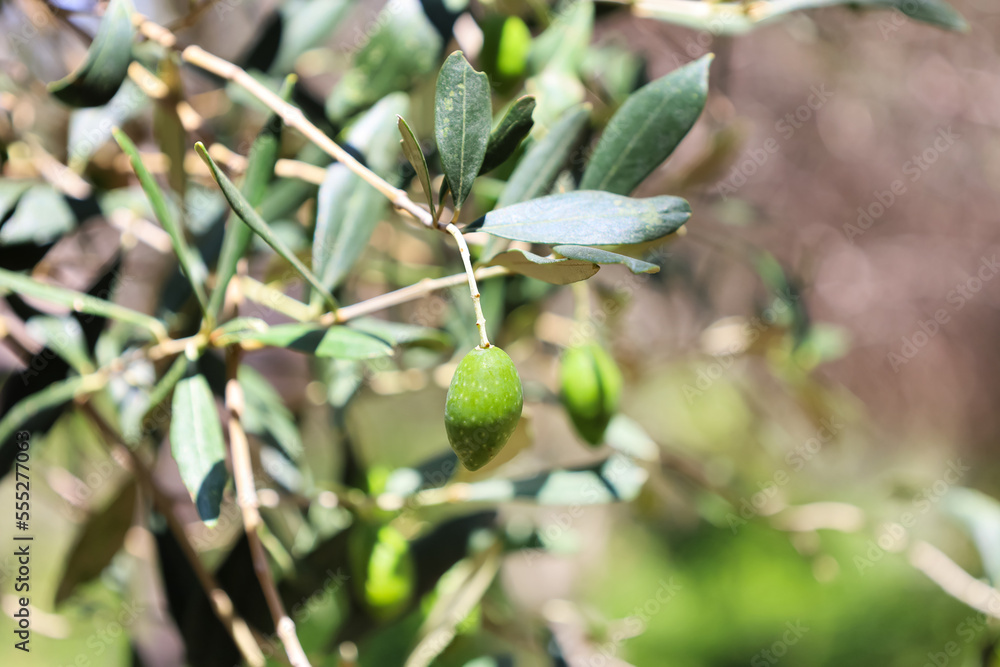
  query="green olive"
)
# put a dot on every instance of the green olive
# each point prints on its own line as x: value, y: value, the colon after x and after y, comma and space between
x: 483, y: 405
x: 591, y: 387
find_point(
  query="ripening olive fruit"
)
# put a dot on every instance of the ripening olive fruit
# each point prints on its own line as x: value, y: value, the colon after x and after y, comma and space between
x: 591, y: 386
x: 483, y: 405
x: 382, y: 567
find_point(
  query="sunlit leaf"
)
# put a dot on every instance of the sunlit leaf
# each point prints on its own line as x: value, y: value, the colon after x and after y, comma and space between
x: 462, y: 119
x: 197, y: 445
x: 587, y: 218
x: 647, y: 128
x: 42, y: 216
x: 337, y: 341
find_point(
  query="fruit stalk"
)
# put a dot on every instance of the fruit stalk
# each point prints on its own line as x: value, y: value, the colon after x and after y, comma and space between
x: 463, y: 249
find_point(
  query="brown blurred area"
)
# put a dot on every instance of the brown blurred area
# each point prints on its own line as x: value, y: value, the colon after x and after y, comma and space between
x: 894, y: 87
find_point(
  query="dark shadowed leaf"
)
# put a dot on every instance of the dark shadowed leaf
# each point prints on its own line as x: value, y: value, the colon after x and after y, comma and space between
x: 553, y: 270
x: 99, y: 77
x: 462, y: 119
x: 197, y: 445
x: 587, y: 218
x: 100, y: 540
x: 507, y: 136
x: 647, y: 128
x: 599, y: 256
x: 537, y: 170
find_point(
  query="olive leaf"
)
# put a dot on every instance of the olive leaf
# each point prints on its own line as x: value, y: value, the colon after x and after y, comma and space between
x: 347, y: 208
x: 415, y: 156
x: 558, y: 271
x: 197, y: 445
x: 507, y: 136
x: 260, y: 171
x: 599, y: 256
x: 338, y: 341
x: 537, y: 170
x: 106, y: 66
x: 586, y: 217
x: 647, y: 128
x: 462, y: 119
x: 403, y: 47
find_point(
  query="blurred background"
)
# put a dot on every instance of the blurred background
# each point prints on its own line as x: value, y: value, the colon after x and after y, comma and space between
x: 814, y: 366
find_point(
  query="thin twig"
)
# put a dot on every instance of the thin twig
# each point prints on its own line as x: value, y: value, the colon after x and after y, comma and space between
x: 221, y: 604
x: 955, y: 581
x: 246, y: 497
x: 406, y: 294
x: 463, y: 249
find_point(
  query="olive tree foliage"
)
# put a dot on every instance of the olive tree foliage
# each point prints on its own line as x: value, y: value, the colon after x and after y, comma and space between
x: 513, y: 160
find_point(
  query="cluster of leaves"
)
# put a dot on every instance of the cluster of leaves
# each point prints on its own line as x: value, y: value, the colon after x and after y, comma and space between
x: 517, y: 175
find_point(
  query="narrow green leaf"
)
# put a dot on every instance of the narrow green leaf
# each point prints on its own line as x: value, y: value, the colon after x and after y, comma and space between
x: 80, y: 302
x: 647, y: 128
x: 400, y: 333
x: 348, y: 209
x: 253, y: 220
x: 550, y: 269
x: 64, y: 336
x: 402, y: 48
x: 541, y: 163
x: 260, y: 171
x: 586, y: 217
x: 462, y: 118
x: 564, y: 43
x: 197, y: 445
x: 413, y: 153
x: 337, y: 341
x: 514, y: 127
x: 265, y: 414
x: 599, y: 256
x: 106, y: 65
x: 190, y: 262
x: 97, y: 544
x: 168, y: 130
